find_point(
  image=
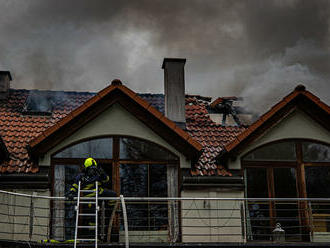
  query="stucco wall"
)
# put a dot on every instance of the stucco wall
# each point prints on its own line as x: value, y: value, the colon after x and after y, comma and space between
x: 15, y: 216
x: 115, y: 121
x: 212, y: 220
x: 296, y: 125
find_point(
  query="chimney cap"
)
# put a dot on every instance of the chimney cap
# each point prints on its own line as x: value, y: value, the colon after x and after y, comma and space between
x: 116, y: 82
x: 6, y: 73
x: 179, y: 60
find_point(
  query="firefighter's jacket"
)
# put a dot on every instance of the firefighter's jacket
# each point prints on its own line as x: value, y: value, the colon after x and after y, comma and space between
x: 88, y: 179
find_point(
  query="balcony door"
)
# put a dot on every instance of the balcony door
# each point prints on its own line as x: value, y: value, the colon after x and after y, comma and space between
x: 272, y: 182
x: 288, y: 169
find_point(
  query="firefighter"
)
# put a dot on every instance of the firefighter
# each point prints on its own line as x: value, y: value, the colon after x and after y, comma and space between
x: 89, y: 175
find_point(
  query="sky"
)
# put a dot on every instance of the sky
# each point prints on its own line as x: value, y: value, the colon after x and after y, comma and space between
x: 256, y: 49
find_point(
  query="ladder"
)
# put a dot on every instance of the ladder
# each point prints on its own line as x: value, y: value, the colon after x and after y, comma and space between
x: 86, y: 200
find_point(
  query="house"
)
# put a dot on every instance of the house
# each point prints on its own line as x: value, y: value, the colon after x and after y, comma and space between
x: 155, y: 145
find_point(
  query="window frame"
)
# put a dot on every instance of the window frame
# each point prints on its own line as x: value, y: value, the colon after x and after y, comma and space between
x: 114, y: 162
x: 299, y: 166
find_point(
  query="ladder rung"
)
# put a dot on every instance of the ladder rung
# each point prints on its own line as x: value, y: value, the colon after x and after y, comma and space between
x: 87, y: 214
x: 87, y: 190
x: 83, y: 202
x: 86, y: 226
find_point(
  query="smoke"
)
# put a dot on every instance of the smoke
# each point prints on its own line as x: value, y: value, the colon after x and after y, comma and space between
x: 256, y: 49
x: 265, y: 83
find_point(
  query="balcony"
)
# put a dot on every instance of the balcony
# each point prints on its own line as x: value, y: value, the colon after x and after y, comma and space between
x: 140, y: 221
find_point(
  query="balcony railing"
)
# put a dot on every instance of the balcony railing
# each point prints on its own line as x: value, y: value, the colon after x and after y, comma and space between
x: 170, y: 220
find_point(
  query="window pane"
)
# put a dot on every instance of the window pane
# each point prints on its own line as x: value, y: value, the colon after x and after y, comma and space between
x: 145, y: 181
x: 317, y: 181
x: 137, y: 149
x: 256, y: 183
x: 287, y: 212
x: 158, y: 188
x: 63, y: 212
x: 96, y: 148
x: 285, y: 182
x: 259, y: 225
x: 134, y: 183
x: 284, y: 151
x: 313, y: 152
x: 317, y: 186
x: 71, y: 171
x: 134, y: 180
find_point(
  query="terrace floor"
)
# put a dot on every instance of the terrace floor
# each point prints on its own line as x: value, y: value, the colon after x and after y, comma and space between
x: 21, y: 244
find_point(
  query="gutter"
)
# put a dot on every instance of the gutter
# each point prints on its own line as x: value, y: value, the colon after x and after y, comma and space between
x: 213, y: 181
x: 37, y: 180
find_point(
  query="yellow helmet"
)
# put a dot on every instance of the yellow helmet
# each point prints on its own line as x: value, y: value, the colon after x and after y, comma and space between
x: 90, y: 162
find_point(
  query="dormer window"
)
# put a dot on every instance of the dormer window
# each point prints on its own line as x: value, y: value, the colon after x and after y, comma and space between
x: 38, y: 103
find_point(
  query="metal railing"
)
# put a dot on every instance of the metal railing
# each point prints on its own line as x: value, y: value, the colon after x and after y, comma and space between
x: 159, y: 219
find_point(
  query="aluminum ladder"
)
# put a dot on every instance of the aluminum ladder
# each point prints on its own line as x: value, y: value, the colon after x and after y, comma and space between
x: 86, y: 200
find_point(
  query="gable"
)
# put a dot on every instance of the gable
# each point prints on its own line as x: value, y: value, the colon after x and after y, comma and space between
x: 116, y: 120
x: 116, y: 93
x: 300, y: 98
x: 297, y: 125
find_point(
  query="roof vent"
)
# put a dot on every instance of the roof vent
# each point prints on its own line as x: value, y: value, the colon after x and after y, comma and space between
x: 38, y: 103
x: 116, y: 82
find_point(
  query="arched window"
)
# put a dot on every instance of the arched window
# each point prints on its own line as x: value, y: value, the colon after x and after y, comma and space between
x: 137, y: 167
x: 286, y: 169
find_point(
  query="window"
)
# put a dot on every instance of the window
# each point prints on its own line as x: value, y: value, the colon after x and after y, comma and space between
x: 148, y: 181
x: 95, y: 148
x: 271, y: 171
x: 284, y: 151
x: 313, y: 152
x: 138, y: 168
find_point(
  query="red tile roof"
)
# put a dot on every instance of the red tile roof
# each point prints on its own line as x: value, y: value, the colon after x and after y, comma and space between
x: 18, y: 130
x: 211, y: 135
x: 299, y: 98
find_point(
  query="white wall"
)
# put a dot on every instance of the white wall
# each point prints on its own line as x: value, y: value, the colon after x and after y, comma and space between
x: 115, y: 121
x: 212, y: 220
x: 297, y: 125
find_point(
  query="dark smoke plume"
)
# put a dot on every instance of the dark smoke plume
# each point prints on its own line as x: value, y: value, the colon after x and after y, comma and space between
x: 256, y: 49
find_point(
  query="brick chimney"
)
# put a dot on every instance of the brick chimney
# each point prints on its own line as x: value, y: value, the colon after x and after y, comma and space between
x: 5, y: 78
x: 174, y: 86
